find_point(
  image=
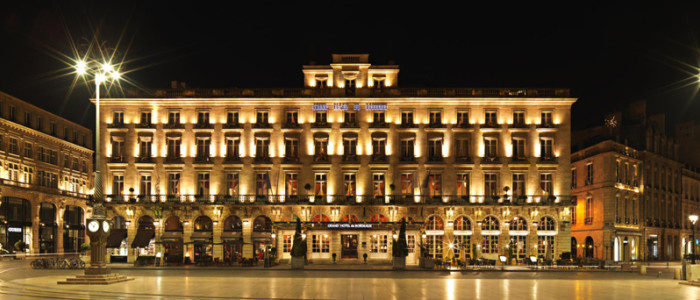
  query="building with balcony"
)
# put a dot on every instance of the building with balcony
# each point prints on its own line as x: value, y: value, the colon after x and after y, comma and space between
x: 45, y: 178
x: 197, y: 175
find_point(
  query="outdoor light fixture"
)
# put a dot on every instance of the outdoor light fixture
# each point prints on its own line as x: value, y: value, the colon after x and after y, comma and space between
x: 273, y: 235
x: 128, y: 223
x: 246, y: 223
x: 156, y: 223
x: 693, y: 219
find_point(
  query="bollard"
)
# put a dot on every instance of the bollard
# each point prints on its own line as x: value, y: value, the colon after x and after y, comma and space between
x: 642, y: 270
x: 677, y: 274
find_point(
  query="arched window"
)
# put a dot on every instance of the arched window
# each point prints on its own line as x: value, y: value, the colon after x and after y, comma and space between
x: 320, y: 218
x: 434, y: 223
x: 233, y: 223
x: 262, y: 224
x: 378, y: 218
x: 574, y: 248
x: 518, y: 224
x: 409, y: 220
x: 462, y: 223
x: 47, y: 213
x: 172, y: 223
x: 146, y: 222
x: 349, y: 219
x: 203, y: 223
x: 546, y: 224
x: 589, y: 247
x: 490, y: 223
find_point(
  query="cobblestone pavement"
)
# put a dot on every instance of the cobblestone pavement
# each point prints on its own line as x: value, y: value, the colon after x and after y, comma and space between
x: 18, y: 281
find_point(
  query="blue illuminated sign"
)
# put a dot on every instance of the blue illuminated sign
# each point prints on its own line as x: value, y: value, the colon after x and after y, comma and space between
x: 375, y: 106
x: 321, y: 106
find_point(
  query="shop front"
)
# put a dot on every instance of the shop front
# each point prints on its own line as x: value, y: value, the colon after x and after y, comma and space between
x: 232, y: 239
x: 203, y: 240
x: 117, y: 241
x: 47, y: 228
x: 74, y: 229
x: 262, y: 237
x: 144, y: 241
x: 351, y: 241
x: 171, y: 239
x: 17, y: 225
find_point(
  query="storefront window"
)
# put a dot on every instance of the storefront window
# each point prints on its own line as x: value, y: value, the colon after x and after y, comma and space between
x: 434, y: 245
x: 287, y: 243
x: 463, y: 244
x: 489, y: 244
x: 320, y: 243
x: 378, y: 243
x: 411, y: 241
x: 519, y: 245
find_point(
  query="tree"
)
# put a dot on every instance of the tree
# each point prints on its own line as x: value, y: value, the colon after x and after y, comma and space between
x: 401, y: 246
x: 299, y: 245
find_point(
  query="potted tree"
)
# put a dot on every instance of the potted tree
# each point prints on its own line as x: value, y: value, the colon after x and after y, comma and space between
x: 19, y: 249
x: 400, y: 248
x: 298, y: 248
x: 334, y: 257
x: 85, y: 248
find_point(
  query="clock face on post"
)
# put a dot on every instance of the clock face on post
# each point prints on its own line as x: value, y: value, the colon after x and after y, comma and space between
x: 93, y: 226
x: 105, y: 226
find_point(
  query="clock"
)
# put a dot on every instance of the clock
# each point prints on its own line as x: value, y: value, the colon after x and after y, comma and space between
x: 93, y: 226
x: 105, y: 226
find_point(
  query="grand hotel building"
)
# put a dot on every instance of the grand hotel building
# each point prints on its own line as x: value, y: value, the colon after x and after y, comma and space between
x: 217, y: 174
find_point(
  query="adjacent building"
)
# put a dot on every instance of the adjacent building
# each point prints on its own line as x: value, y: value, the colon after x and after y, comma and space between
x: 200, y: 175
x: 45, y: 178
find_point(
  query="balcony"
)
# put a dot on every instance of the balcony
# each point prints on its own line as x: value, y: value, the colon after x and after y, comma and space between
x: 145, y: 125
x: 174, y: 126
x: 234, y: 125
x: 173, y: 160
x: 547, y: 160
x: 490, y: 160
x: 202, y: 159
x: 491, y: 125
x: 520, y: 125
x: 112, y: 125
x: 380, y: 158
x: 117, y: 159
x: 519, y: 159
x: 350, y: 125
x: 408, y: 125
x: 232, y: 159
x: 291, y: 125
x: 546, y: 125
x: 435, y: 159
x: 436, y: 125
x: 407, y: 159
x: 203, y: 126
x: 144, y: 159
x: 321, y: 125
x: 379, y: 125
x: 350, y: 158
x: 321, y: 158
x: 464, y: 159
x: 263, y: 159
x: 291, y: 159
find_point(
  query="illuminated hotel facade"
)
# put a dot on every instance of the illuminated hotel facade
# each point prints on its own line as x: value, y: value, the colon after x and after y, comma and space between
x: 216, y: 174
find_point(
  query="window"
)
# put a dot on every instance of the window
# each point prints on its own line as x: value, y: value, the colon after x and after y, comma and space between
x: 489, y: 244
x: 203, y: 147
x: 518, y: 184
x: 321, y: 189
x: 232, y: 146
x: 546, y: 183
x: 379, y: 147
x: 407, y: 184
x: 262, y: 147
x: 462, y: 148
x: 292, y: 118
x: 291, y: 147
x: 66, y: 161
x: 174, y: 184
x: 52, y: 127
x: 490, y: 147
x: 76, y: 165
x: 434, y: 245
x: 232, y: 184
x: 350, y: 117
x: 378, y: 184
x: 518, y: 148
x: 287, y: 242
x: 203, y: 118
x: 462, y: 224
x: 407, y: 149
x: 589, y: 173
x: 145, y: 185
x: 518, y: 224
x: 349, y: 147
x: 145, y: 146
x: 490, y: 224
x: 173, y: 147
x: 174, y: 117
x: 490, y: 118
x: 407, y: 118
x: 435, y: 117
x: 462, y: 118
x: 320, y: 146
x: 291, y: 184
x: 411, y: 241
x: 435, y: 185
x: 262, y: 184
x: 321, y: 117
x: 13, y: 172
x: 66, y: 133
x: 573, y: 178
x: 519, y: 245
x: 378, y: 243
x: 117, y: 147
x: 546, y: 145
x: 589, y: 210
x: 320, y: 243
x: 118, y: 185
x: 545, y: 246
x: 378, y: 117
x: 491, y: 184
x: 546, y: 224
x: 518, y: 118
x: 435, y: 149
x: 232, y: 118
x: 546, y: 118
x: 573, y: 214
x: 463, y: 184
x: 12, y: 113
x: 203, y: 184
x: 145, y: 118
x: 117, y: 119
x: 27, y: 119
x: 28, y: 150
x: 13, y: 146
x: 349, y: 184
x: 83, y: 165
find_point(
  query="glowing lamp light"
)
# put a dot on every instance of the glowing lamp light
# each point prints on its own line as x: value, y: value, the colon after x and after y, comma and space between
x: 100, y: 77
x: 81, y: 67
x: 107, y: 68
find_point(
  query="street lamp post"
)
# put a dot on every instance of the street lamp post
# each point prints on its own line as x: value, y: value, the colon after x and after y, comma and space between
x: 693, y: 219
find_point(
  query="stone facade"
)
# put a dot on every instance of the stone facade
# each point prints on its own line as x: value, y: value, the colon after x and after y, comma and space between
x: 211, y: 174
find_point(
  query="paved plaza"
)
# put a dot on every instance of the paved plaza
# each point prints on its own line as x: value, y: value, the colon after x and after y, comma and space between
x: 21, y: 282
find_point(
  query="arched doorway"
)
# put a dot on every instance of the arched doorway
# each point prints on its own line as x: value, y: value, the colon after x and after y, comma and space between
x: 434, y: 230
x: 588, y: 251
x: 47, y: 227
x: 144, y: 241
x: 117, y: 241
x: 262, y: 236
x: 172, y: 240
x: 18, y: 223
x: 203, y: 239
x: 74, y: 232
x: 232, y: 238
x: 574, y: 248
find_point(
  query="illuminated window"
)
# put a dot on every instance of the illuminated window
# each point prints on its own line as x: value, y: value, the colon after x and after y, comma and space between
x: 546, y: 118
x: 519, y: 245
x: 491, y: 184
x: 349, y: 147
x: 518, y: 224
x: 262, y: 147
x: 262, y: 184
x: 203, y: 184
x: 145, y: 146
x: 407, y: 148
x: 407, y: 118
x: 291, y: 184
x: 378, y: 146
x: 291, y: 147
x: 489, y: 244
x: 203, y: 147
x: 462, y: 148
x: 378, y: 243
x: 232, y: 184
x: 349, y: 184
x: 13, y: 146
x: 434, y: 245
x: 573, y: 215
x: 462, y: 223
x: 463, y: 184
x: 321, y: 146
x: 407, y: 184
x: 287, y: 243
x: 518, y: 184
x: 435, y: 117
x: 292, y: 118
x: 13, y: 171
x: 545, y: 246
x: 546, y: 145
x: 378, y: 184
x: 28, y: 149
x: 435, y: 185
x: 321, y: 117
x: 546, y: 224
x: 174, y: 184
x: 203, y: 118
x: 145, y: 117
x: 378, y: 117
x: 462, y: 118
x: 350, y: 117
x: 490, y: 224
x: 262, y: 117
x: 589, y: 210
x: 490, y: 147
x: 232, y: 118
x: 320, y: 243
x: 117, y: 147
x: 320, y: 185
x: 518, y: 118
x: 173, y: 117
x: 546, y: 183
x: 173, y: 147
x: 145, y: 189
x: 490, y: 118
x: 118, y: 184
x: 117, y: 118
x: 232, y: 146
x: 411, y: 241
x: 435, y: 149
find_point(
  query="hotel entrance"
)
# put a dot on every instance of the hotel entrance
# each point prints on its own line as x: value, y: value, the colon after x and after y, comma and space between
x: 349, y: 248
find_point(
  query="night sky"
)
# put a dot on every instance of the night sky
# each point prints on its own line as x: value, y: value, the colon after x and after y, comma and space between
x: 608, y: 55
